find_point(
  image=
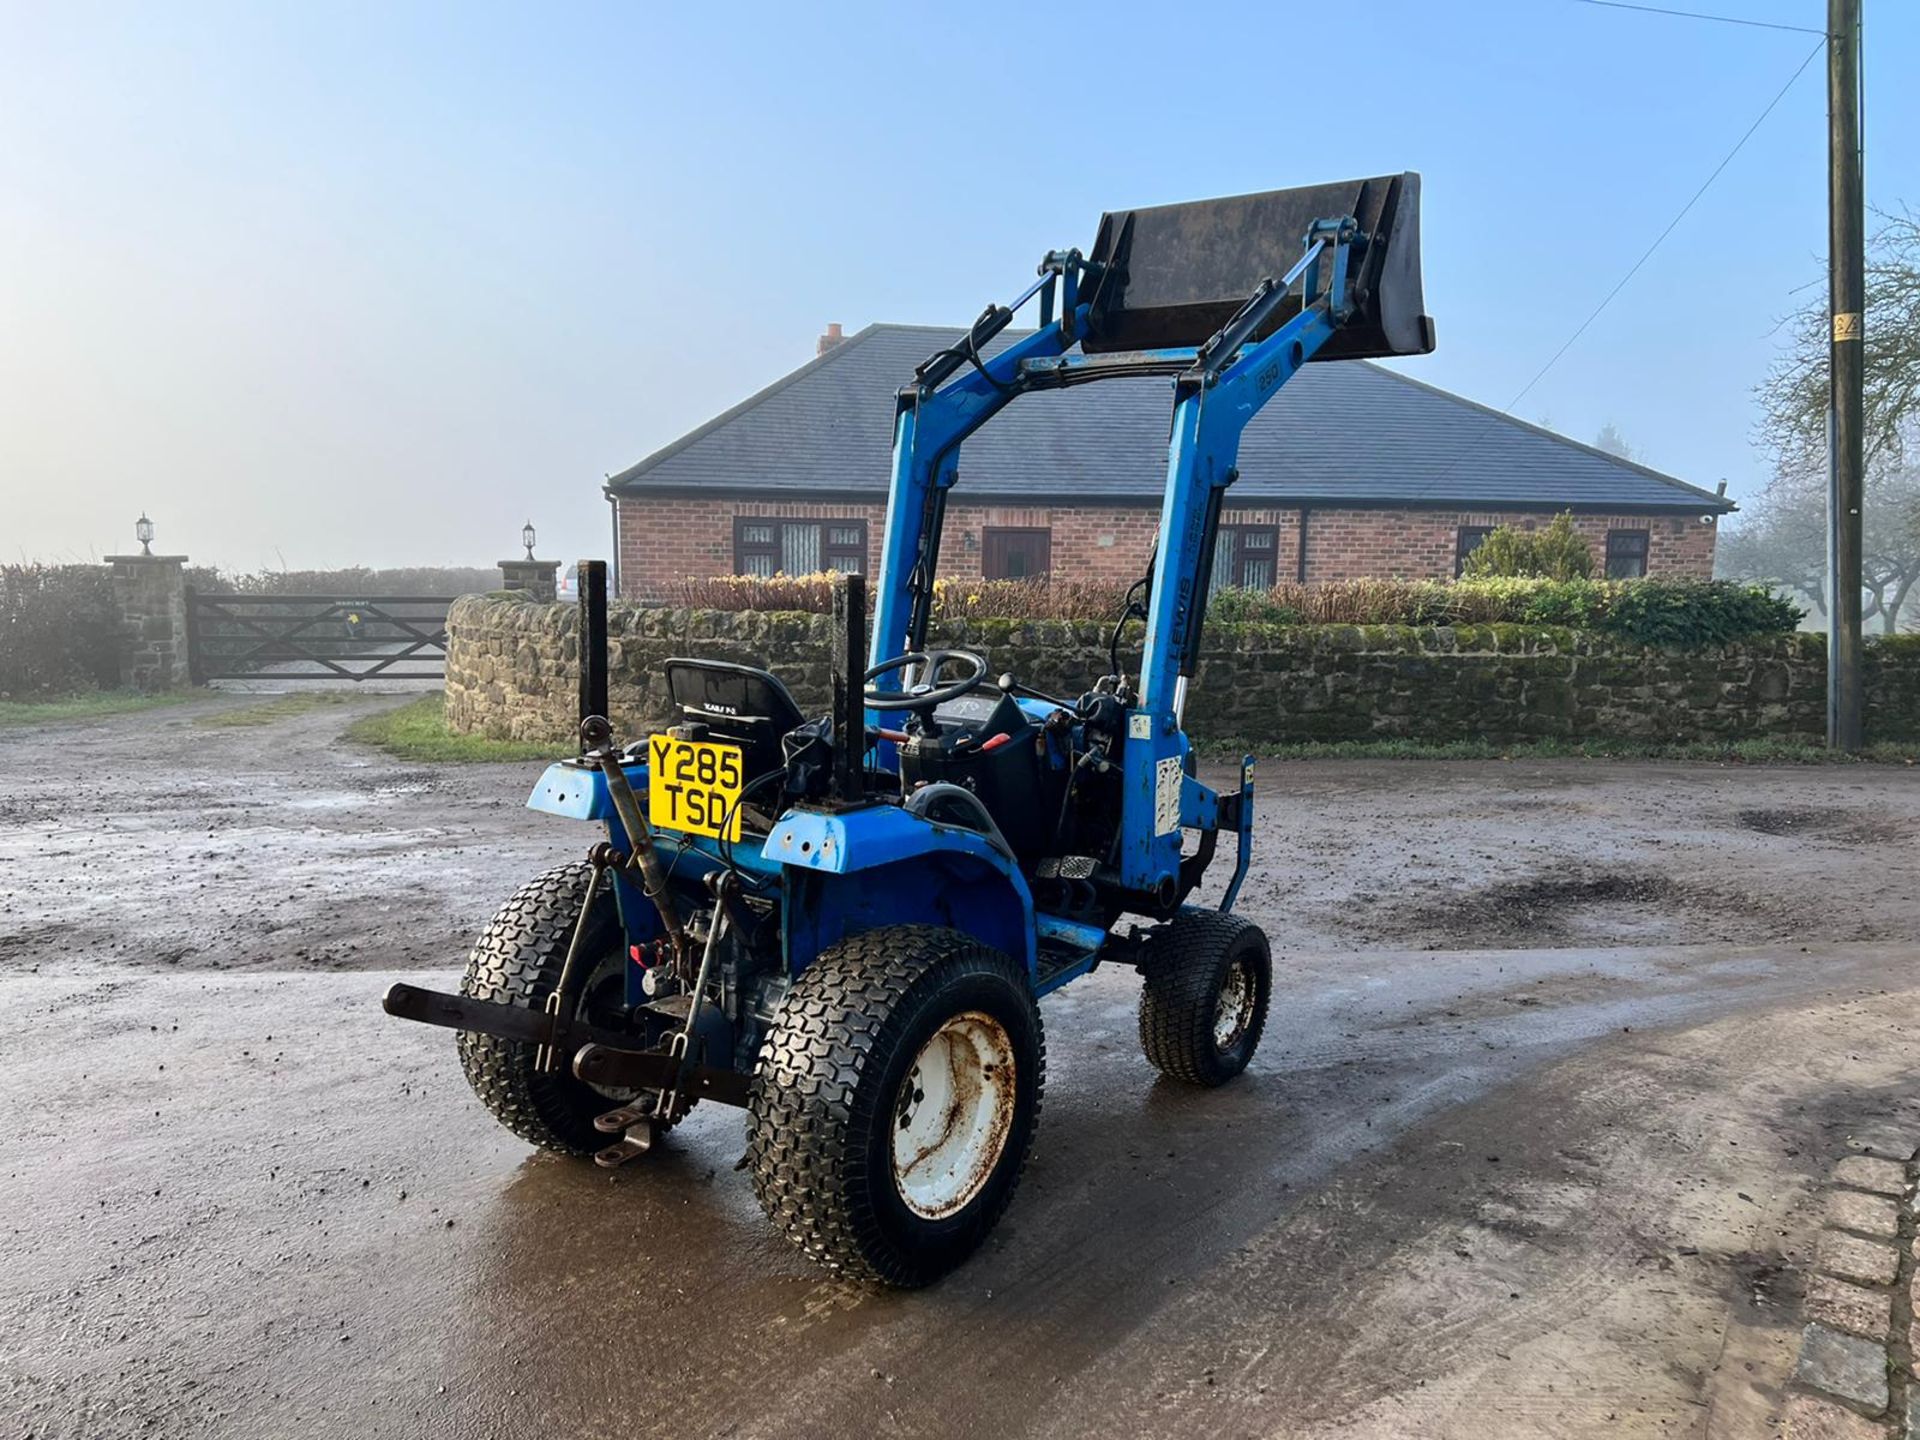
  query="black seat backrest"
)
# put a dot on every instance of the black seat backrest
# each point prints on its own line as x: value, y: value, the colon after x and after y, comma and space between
x: 738, y: 703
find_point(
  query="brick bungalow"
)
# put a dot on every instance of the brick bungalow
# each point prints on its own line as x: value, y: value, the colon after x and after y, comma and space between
x: 1353, y: 470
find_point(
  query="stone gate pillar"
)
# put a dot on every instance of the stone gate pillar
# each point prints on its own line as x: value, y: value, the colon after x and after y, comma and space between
x: 151, y: 591
x: 535, y: 577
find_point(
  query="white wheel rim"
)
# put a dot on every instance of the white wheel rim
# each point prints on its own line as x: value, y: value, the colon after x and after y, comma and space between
x: 952, y: 1114
x: 1233, y: 1012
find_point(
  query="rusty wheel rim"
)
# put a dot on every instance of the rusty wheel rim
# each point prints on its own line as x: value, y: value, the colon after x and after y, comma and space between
x: 952, y: 1114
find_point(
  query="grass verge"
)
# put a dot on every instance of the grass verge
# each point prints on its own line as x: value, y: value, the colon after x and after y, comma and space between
x: 93, y: 705
x: 1736, y: 752
x: 418, y: 731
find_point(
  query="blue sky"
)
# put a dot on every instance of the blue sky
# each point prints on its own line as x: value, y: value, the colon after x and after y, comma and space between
x: 375, y: 283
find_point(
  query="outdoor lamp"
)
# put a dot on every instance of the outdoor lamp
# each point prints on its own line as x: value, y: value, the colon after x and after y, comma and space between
x: 143, y: 532
x: 526, y: 537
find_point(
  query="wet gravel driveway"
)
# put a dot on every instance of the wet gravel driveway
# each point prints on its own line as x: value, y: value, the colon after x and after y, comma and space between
x: 1559, y: 1054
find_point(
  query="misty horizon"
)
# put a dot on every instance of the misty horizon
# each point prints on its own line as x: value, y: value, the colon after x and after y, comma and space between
x: 375, y: 287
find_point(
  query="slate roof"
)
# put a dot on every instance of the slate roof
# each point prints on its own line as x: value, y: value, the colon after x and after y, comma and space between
x: 1349, y: 433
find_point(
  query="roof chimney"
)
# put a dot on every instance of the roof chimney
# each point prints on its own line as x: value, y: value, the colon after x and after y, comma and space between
x: 832, y: 338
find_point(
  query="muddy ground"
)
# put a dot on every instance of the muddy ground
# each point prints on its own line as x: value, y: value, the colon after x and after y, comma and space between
x: 1560, y: 1051
x: 279, y: 846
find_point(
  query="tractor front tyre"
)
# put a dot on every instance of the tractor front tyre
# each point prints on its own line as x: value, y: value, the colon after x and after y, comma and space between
x: 517, y: 961
x: 1209, y: 978
x: 895, y: 1102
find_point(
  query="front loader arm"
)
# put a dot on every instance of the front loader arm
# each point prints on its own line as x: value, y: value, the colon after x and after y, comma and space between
x: 1155, y: 277
x: 929, y: 426
x: 1228, y: 383
x: 932, y: 416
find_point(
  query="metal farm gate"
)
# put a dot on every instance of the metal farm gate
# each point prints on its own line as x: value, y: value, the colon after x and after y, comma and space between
x: 316, y: 637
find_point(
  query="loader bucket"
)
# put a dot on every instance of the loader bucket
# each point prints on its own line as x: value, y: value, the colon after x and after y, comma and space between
x: 1175, y: 273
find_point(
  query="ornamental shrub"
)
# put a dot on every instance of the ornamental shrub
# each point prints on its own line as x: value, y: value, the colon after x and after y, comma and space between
x: 1532, y: 600
x: 1555, y: 553
x: 1250, y: 607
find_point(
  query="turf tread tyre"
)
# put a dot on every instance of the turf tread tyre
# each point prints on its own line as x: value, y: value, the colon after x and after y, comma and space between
x: 818, y: 1145
x: 517, y: 961
x: 1186, y: 966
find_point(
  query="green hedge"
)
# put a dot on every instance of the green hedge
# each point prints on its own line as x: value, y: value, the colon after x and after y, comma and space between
x: 1665, y: 612
x: 59, y: 630
x: 1653, y: 612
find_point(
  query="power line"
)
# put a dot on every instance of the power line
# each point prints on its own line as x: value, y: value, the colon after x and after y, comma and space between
x: 1645, y: 256
x: 1705, y: 185
x: 1698, y: 15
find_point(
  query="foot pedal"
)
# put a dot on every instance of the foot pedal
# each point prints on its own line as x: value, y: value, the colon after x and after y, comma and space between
x: 634, y: 1144
x: 1067, y: 867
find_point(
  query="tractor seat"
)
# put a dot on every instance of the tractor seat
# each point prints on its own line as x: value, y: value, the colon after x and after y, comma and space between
x: 737, y: 703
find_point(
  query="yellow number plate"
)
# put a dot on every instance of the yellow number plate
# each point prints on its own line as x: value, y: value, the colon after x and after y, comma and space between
x: 692, y: 785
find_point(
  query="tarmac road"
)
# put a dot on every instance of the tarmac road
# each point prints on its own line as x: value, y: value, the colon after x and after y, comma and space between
x: 1467, y: 1192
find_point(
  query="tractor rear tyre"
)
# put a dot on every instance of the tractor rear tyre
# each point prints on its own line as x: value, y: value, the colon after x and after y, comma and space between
x: 517, y: 961
x: 895, y: 1102
x: 1209, y: 977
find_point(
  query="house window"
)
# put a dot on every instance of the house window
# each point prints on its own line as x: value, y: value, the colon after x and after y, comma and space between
x: 1465, y: 541
x: 1246, y: 557
x: 1008, y: 553
x: 1626, y: 554
x: 847, y: 546
x: 769, y: 546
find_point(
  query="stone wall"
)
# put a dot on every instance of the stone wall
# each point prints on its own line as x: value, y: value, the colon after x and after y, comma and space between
x: 512, y: 670
x: 513, y: 665
x: 664, y: 539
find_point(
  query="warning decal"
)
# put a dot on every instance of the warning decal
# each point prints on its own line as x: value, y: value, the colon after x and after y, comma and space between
x: 1166, y: 796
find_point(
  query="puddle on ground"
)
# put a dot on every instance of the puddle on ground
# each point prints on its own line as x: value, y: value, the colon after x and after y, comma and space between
x: 333, y: 800
x: 349, y: 799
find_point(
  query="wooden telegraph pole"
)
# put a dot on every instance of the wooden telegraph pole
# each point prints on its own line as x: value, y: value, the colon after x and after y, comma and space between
x: 1847, y: 287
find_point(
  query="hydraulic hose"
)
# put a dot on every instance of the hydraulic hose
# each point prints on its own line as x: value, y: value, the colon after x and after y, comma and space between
x: 645, y: 857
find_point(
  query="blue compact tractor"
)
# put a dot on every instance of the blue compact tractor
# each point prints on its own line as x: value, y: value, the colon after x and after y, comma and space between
x: 845, y: 923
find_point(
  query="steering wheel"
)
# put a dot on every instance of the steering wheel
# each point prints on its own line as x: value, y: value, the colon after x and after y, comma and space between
x: 923, y: 697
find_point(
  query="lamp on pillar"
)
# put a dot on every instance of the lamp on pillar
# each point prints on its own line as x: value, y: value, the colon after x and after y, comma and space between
x: 535, y: 578
x: 143, y: 532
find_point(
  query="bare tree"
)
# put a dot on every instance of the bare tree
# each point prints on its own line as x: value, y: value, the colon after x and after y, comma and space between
x: 1793, y: 398
x: 1614, y: 443
x: 1781, y: 539
x: 1782, y: 536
